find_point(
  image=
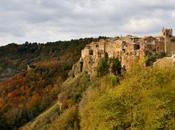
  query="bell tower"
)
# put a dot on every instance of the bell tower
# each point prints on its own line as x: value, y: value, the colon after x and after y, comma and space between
x: 167, y: 33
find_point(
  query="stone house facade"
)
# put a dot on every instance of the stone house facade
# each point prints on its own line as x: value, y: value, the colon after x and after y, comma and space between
x: 128, y: 50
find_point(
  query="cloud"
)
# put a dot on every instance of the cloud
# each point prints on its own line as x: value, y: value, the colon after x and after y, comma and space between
x: 51, y: 20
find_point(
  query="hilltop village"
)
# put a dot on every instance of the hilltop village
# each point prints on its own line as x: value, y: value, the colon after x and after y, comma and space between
x: 128, y: 50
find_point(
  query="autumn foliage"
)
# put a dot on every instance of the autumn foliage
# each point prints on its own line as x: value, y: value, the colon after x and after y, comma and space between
x: 24, y: 94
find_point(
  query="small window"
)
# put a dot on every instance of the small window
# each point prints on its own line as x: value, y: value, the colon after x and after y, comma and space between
x: 90, y: 52
x: 136, y: 47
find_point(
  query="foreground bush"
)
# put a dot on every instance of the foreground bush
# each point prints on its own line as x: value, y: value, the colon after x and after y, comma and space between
x: 143, y: 101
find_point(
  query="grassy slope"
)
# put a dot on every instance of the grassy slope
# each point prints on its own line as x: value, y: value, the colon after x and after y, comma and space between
x: 44, y: 119
x: 143, y: 100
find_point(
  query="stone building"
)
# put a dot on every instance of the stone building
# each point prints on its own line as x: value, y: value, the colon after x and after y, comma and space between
x: 169, y: 40
x: 128, y: 50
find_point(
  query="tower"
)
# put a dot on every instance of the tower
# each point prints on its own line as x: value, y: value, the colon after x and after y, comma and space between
x: 166, y: 33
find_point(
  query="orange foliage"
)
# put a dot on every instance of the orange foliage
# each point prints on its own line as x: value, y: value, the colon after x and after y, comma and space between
x: 47, y: 63
x: 12, y: 94
x: 1, y: 103
x: 35, y: 99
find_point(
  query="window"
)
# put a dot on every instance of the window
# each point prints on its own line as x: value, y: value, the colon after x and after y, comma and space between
x: 90, y: 52
x: 136, y: 47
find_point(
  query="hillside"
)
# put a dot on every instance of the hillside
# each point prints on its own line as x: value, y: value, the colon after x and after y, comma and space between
x: 25, y: 93
x: 142, y: 100
x: 67, y: 118
x: 45, y: 88
x: 14, y: 58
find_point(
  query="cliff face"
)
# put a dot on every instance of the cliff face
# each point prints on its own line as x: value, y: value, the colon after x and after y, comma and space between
x: 128, y: 50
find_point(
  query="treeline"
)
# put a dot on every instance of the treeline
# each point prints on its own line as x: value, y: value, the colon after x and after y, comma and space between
x: 14, y: 57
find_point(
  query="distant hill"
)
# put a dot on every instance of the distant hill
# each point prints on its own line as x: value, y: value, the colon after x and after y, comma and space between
x: 15, y: 58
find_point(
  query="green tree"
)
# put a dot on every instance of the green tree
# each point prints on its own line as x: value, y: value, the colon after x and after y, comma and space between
x: 103, y: 66
x: 116, y: 66
x: 152, y: 57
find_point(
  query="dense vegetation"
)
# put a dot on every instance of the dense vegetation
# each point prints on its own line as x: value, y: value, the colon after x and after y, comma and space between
x: 107, y: 65
x: 143, y: 99
x: 14, y: 58
x: 67, y: 118
x: 29, y: 92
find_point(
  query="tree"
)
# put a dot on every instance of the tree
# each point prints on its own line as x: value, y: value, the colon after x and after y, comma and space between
x: 103, y: 66
x: 116, y: 66
x: 152, y: 57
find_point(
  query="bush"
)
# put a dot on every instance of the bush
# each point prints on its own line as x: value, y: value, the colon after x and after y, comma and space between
x: 103, y: 66
x: 116, y: 66
x: 152, y: 57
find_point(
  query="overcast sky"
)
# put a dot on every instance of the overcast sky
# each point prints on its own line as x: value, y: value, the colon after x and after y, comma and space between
x: 52, y: 20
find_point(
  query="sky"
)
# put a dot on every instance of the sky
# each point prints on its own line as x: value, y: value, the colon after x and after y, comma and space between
x: 53, y: 20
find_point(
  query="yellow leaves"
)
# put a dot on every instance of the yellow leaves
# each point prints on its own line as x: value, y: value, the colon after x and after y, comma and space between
x: 143, y: 100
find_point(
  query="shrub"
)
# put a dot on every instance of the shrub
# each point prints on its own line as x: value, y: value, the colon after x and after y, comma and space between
x: 116, y: 66
x: 152, y: 57
x: 103, y: 66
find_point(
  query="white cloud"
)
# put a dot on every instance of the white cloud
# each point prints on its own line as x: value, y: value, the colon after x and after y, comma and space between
x: 140, y: 25
x: 50, y: 20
